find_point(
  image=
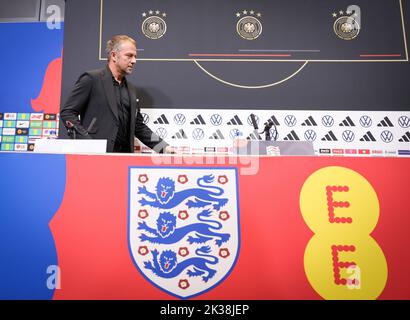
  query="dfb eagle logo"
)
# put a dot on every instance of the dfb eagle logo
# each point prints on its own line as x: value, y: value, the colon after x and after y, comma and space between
x: 183, y: 226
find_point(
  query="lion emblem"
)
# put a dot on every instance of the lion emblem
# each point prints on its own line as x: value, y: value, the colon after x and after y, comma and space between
x: 168, y: 267
x: 166, y: 197
x: 167, y: 233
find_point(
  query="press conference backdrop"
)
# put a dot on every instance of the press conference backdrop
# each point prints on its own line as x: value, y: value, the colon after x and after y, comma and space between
x: 203, y: 67
x: 198, y: 39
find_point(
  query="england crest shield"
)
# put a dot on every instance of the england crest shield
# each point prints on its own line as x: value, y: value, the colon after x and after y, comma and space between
x: 183, y: 226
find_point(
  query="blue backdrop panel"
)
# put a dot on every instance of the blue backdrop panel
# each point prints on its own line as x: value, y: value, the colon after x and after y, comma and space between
x: 28, y: 49
x: 31, y: 193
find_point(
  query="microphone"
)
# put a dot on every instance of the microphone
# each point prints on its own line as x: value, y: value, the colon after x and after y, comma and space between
x: 254, y: 123
x: 268, y: 126
x: 255, y: 126
x: 71, y: 129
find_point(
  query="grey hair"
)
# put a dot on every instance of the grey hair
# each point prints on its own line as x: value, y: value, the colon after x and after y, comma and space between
x: 115, y: 42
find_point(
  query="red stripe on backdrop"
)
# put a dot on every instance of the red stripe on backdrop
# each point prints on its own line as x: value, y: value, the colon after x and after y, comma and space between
x: 90, y: 229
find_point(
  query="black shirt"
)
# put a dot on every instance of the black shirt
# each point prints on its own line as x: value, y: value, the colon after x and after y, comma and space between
x: 122, y: 142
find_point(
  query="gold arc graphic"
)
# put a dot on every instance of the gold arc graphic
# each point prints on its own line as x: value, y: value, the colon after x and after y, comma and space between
x: 250, y: 87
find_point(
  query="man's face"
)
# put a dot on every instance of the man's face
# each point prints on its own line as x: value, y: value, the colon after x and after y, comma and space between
x: 126, y: 57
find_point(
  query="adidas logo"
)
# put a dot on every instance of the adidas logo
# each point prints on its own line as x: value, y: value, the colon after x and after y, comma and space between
x: 347, y: 123
x: 368, y: 137
x: 405, y: 138
x: 385, y: 123
x: 235, y: 121
x: 217, y: 135
x: 309, y: 122
x: 254, y: 136
x: 292, y: 136
x: 180, y: 135
x: 161, y: 120
x: 329, y: 137
x: 274, y: 120
x: 198, y: 120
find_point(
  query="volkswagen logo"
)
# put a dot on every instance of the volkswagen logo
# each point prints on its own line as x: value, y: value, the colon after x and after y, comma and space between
x: 179, y: 119
x: 161, y: 132
x: 216, y: 119
x: 250, y: 120
x: 404, y: 122
x: 348, y: 135
x: 328, y: 121
x: 290, y: 121
x: 310, y: 135
x: 198, y: 134
x: 365, y: 121
x: 235, y: 133
x: 387, y: 136
x: 145, y: 118
x: 274, y: 134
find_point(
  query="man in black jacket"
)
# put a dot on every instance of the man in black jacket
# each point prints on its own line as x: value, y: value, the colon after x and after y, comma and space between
x: 103, y: 104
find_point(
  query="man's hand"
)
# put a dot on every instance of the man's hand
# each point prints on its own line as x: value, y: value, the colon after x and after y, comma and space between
x: 170, y: 149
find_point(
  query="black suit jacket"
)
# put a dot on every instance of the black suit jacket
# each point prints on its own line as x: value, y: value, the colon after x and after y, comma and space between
x: 93, y: 99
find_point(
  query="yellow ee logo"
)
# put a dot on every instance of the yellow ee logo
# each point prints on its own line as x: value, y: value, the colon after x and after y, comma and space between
x: 342, y: 260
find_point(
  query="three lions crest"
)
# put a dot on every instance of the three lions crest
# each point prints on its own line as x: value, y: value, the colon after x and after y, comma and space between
x: 183, y: 226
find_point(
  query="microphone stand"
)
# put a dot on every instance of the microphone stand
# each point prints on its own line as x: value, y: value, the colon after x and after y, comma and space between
x: 255, y: 127
x: 268, y: 127
x: 71, y: 130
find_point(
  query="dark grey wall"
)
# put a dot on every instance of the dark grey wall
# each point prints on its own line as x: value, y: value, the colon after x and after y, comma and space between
x: 191, y: 28
x: 28, y: 10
